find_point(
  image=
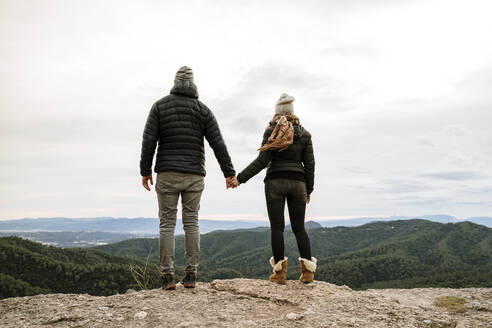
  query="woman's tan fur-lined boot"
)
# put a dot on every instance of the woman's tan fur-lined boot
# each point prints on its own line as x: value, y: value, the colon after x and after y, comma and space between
x: 307, y: 269
x: 279, y: 271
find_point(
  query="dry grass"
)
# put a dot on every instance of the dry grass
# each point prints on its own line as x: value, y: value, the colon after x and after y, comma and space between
x: 452, y: 303
x: 140, y: 274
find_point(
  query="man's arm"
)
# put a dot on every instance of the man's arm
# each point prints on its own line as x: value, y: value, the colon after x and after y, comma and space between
x: 264, y: 157
x: 216, y: 142
x: 149, y: 143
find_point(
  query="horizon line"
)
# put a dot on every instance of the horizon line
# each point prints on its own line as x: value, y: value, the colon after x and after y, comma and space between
x: 253, y: 218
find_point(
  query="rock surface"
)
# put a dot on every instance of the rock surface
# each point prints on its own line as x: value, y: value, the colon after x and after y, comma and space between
x: 251, y: 303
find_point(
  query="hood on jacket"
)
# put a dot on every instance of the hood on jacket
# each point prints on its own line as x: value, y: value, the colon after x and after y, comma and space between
x: 185, y: 88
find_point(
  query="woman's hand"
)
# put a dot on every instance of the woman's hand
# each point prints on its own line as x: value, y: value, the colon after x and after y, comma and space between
x: 308, y: 199
x: 235, y: 182
x: 232, y: 182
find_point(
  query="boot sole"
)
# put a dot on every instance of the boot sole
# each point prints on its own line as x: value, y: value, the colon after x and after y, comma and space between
x: 172, y: 287
x: 306, y: 281
x: 188, y: 285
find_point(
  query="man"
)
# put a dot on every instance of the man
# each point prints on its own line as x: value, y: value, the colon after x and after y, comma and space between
x: 179, y: 122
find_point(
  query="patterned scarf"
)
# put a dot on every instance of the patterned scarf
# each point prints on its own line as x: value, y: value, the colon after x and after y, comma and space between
x: 283, y: 133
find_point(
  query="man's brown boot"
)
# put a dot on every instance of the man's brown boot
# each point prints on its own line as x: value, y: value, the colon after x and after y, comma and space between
x: 307, y: 269
x: 279, y: 271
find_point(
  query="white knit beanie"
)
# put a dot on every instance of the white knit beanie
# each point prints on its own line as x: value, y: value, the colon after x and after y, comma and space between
x: 185, y: 73
x: 284, y: 104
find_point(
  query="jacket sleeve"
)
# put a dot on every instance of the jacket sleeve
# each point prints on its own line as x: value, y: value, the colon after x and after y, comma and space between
x: 149, y: 141
x: 308, y: 161
x: 215, y: 140
x: 264, y: 157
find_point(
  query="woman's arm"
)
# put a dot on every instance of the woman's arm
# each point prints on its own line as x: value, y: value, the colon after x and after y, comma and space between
x: 308, y: 161
x: 264, y: 157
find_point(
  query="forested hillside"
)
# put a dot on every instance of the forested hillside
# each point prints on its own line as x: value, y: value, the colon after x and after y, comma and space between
x: 403, y: 254
x: 406, y: 253
x: 29, y: 268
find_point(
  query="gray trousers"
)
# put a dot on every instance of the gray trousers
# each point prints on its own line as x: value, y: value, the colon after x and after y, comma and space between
x: 169, y: 186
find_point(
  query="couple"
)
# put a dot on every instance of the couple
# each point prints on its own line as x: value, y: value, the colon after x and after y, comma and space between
x: 176, y: 125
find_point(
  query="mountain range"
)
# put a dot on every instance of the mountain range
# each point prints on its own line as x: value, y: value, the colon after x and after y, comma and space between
x: 116, y: 225
x: 74, y: 238
x: 151, y: 225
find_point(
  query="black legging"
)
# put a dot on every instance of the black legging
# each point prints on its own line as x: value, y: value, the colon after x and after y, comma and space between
x: 277, y: 191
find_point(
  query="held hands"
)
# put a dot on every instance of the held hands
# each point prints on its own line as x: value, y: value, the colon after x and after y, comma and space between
x: 232, y: 182
x: 145, y: 181
x: 308, y: 199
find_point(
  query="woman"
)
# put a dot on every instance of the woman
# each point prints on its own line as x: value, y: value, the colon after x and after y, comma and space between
x: 287, y: 151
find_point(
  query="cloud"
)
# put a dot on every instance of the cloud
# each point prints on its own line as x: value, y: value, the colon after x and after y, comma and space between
x: 477, y: 82
x: 457, y: 131
x: 423, y: 202
x: 406, y: 188
x: 480, y: 191
x: 273, y: 76
x: 395, y: 186
x: 247, y: 125
x: 471, y: 203
x: 455, y: 175
x: 247, y: 107
x: 423, y: 141
x: 355, y: 169
x: 337, y: 48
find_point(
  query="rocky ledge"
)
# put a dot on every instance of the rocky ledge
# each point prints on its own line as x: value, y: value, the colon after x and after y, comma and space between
x: 252, y: 303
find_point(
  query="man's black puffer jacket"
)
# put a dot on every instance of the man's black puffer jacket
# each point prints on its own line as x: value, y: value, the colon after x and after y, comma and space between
x: 298, y: 157
x: 179, y: 122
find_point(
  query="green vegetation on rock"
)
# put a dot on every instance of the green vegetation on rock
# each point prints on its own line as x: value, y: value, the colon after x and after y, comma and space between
x: 452, y: 303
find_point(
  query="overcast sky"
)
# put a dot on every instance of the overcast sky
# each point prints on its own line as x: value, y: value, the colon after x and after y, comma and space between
x: 397, y: 96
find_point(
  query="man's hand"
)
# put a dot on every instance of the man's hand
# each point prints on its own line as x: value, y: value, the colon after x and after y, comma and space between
x: 308, y: 199
x: 228, y: 181
x: 145, y: 181
x: 232, y: 182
